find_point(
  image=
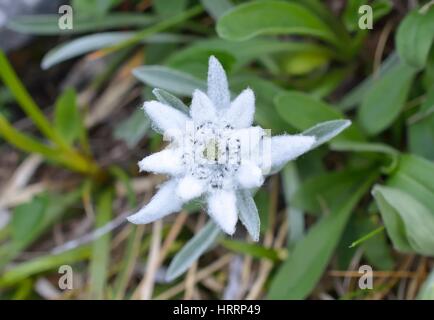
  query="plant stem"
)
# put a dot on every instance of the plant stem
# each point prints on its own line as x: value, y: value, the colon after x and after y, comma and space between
x: 26, y: 102
x: 63, y: 153
x: 23, y: 141
x: 366, y: 237
x: 69, y: 158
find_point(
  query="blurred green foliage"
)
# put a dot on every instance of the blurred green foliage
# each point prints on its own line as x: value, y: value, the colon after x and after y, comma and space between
x: 306, y: 65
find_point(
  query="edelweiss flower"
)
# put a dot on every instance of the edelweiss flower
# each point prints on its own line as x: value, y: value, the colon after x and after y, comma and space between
x: 214, y: 153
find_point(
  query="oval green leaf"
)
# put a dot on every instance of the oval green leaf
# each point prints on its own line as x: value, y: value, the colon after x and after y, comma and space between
x: 384, y: 102
x: 271, y: 17
x: 304, y: 112
x: 201, y: 242
x: 415, y: 36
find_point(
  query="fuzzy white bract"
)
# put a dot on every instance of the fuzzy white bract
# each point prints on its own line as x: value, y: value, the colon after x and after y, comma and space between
x: 214, y: 152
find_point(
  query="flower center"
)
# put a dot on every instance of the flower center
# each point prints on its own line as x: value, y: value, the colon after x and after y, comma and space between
x: 211, y: 151
x: 212, y: 154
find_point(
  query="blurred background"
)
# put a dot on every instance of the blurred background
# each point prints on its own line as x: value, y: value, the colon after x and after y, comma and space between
x: 353, y: 219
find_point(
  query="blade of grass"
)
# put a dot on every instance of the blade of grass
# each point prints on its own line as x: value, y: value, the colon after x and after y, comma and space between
x: 367, y: 236
x: 41, y: 264
x: 123, y: 177
x: 68, y: 158
x: 25, y: 142
x: 128, y: 261
x: 134, y: 238
x: 101, y: 248
x: 26, y: 102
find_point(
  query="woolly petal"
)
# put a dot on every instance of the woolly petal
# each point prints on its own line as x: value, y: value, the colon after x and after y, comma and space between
x: 222, y: 208
x: 162, y: 204
x: 249, y: 175
x: 167, y: 161
x: 202, y: 108
x: 285, y: 148
x: 164, y: 117
x: 189, y: 188
x: 218, y: 90
x: 242, y: 110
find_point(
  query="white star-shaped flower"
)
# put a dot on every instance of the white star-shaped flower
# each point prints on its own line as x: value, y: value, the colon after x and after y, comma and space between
x: 214, y: 153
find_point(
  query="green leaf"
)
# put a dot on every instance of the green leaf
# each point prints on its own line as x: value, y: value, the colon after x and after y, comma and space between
x: 26, y: 102
x: 31, y: 219
x: 323, y: 193
x: 100, y: 261
x: 167, y: 8
x: 375, y: 244
x: 169, y: 99
x: 41, y: 264
x: 327, y: 16
x: 197, y: 54
x: 384, y: 102
x: 370, y: 147
x: 133, y: 129
x: 426, y: 292
x: 81, y: 46
x: 195, y: 61
x: 67, y: 118
x: 305, y: 62
x: 95, y: 8
x: 262, y: 200
x: 415, y: 36
x: 25, y: 142
x: 428, y: 74
x: 271, y: 17
x: 27, y: 218
x: 421, y: 128
x: 356, y: 95
x: 248, y: 213
x: 175, y: 81
x: 408, y: 222
x: 296, y: 221
x: 216, y: 8
x: 48, y: 24
x: 303, y: 112
x: 378, y: 252
x: 364, y: 147
x: 201, y: 242
x: 415, y: 175
x: 92, y: 42
x: 297, y: 276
